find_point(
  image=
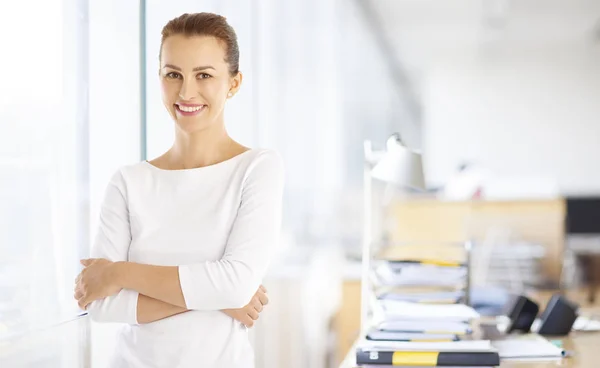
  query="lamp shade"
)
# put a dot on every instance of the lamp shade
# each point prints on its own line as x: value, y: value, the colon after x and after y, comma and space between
x: 400, y: 166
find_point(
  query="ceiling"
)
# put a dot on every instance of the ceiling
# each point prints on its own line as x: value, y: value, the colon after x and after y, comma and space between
x: 417, y: 29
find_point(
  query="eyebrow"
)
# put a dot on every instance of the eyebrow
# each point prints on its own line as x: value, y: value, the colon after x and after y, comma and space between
x: 198, y: 68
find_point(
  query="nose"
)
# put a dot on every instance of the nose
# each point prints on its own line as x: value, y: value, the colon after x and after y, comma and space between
x: 188, y: 89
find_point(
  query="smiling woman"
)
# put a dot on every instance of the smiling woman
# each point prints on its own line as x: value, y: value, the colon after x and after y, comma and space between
x: 185, y: 239
x: 196, y: 78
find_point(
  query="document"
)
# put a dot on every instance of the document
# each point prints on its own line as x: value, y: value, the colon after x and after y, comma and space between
x: 441, y: 327
x: 399, y: 310
x: 378, y: 335
x: 452, y: 346
x: 527, y: 347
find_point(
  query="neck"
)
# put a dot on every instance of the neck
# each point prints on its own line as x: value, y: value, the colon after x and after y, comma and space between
x: 198, y: 149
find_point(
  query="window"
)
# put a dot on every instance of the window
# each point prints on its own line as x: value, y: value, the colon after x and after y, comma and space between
x: 43, y: 172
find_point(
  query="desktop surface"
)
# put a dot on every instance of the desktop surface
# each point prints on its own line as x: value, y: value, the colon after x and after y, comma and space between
x: 583, y: 348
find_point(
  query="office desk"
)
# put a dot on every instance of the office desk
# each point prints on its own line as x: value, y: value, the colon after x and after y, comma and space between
x: 584, y: 347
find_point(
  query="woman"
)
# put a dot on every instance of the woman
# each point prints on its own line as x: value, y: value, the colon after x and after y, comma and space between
x: 185, y: 239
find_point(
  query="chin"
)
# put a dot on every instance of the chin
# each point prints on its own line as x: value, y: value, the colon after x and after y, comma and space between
x: 192, y: 125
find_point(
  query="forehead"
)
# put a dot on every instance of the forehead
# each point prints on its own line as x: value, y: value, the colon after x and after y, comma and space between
x: 190, y: 52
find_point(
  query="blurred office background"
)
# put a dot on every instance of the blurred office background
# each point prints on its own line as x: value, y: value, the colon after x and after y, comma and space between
x: 501, y: 97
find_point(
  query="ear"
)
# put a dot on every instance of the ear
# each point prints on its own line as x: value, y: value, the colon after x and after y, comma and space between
x: 235, y: 83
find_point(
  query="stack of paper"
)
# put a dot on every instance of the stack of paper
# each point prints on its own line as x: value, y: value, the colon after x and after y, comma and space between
x: 418, y: 291
x: 396, y: 274
x: 454, y: 346
x: 398, y: 310
x: 382, y: 335
x: 440, y: 254
x: 426, y: 297
x: 428, y: 327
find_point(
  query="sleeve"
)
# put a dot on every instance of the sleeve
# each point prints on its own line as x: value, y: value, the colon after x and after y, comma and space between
x: 232, y: 281
x: 112, y: 242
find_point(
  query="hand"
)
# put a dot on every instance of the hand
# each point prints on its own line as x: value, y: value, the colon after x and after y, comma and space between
x: 249, y: 313
x: 96, y: 281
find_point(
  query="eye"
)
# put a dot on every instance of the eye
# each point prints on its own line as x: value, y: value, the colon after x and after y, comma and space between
x: 173, y: 75
x: 203, y: 76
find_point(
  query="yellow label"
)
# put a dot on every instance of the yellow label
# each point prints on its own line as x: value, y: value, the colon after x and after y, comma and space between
x: 441, y: 263
x: 415, y: 358
x: 437, y: 301
x: 434, y: 332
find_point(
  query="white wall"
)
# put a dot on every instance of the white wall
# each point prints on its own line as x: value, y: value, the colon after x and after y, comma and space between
x: 518, y: 112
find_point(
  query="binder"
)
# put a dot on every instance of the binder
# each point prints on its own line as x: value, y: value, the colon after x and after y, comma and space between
x: 427, y: 358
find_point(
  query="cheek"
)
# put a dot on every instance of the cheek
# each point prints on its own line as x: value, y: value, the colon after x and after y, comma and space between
x: 168, y: 92
x: 216, y: 92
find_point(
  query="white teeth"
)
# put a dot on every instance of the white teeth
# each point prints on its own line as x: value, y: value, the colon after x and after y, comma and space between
x: 190, y: 108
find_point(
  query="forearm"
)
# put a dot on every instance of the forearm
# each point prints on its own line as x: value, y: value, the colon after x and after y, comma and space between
x: 211, y: 286
x: 157, y: 282
x: 151, y: 310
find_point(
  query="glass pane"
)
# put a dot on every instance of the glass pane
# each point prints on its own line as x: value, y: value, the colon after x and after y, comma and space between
x: 61, y: 346
x: 43, y: 164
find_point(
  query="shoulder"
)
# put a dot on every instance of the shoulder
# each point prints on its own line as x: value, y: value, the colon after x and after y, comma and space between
x: 127, y: 173
x: 264, y: 157
x: 264, y: 165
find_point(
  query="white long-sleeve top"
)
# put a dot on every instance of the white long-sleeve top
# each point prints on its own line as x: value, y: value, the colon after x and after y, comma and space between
x: 219, y: 224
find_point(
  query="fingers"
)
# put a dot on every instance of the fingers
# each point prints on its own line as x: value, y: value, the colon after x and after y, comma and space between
x: 87, y: 262
x: 82, y: 303
x: 248, y: 322
x: 262, y: 297
x: 81, y: 297
x: 256, y: 304
x: 244, y: 317
x: 262, y: 288
x: 253, y: 313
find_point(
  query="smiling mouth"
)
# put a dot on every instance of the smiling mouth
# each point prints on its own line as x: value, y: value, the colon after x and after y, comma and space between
x: 189, y: 110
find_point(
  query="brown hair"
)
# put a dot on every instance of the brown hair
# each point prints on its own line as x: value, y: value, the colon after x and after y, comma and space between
x: 206, y: 24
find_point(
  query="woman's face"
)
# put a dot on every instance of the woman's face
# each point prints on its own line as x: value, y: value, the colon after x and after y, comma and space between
x: 195, y: 81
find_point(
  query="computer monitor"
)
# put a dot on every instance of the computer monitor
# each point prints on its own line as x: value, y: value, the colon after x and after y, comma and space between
x: 583, y: 215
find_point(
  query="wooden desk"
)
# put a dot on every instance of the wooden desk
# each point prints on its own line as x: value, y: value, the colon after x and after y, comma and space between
x: 585, y: 350
x: 584, y: 347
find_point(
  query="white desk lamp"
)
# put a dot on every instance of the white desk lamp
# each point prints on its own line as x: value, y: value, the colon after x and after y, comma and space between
x: 399, y: 166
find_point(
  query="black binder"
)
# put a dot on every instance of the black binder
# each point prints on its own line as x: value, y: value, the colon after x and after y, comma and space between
x: 426, y: 358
